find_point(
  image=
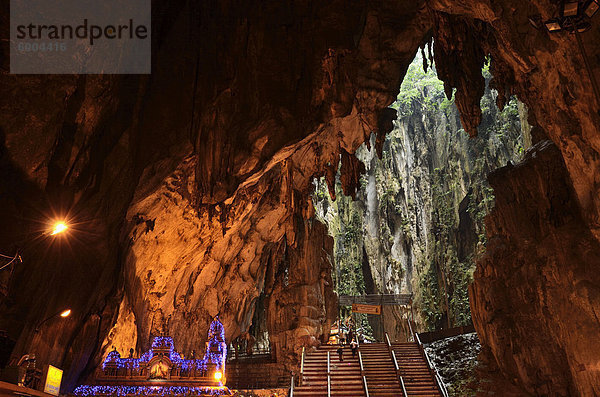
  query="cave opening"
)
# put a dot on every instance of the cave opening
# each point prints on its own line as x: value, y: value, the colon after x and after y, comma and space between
x: 416, y: 226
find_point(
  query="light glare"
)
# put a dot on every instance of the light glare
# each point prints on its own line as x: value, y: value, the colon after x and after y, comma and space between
x: 59, y: 227
x: 66, y: 313
x: 218, y: 375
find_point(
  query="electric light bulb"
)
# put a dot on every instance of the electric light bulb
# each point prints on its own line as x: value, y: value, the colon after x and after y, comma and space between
x: 59, y: 227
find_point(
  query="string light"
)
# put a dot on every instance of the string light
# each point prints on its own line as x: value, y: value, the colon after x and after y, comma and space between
x: 88, y: 390
x: 216, y: 353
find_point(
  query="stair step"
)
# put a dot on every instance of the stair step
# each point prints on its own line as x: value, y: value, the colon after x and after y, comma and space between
x: 379, y: 370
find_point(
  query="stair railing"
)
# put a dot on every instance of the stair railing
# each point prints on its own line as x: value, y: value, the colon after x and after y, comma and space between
x: 328, y: 376
x: 401, y: 384
x: 441, y: 385
x: 301, y: 368
x: 362, y: 369
x: 362, y: 373
x: 397, y: 368
x: 439, y: 382
x: 395, y: 361
x: 292, y: 387
x: 412, y: 334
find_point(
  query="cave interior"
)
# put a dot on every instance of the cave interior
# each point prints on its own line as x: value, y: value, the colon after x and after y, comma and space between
x: 188, y: 191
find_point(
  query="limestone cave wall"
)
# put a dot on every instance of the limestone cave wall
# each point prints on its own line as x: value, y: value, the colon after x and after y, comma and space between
x: 188, y: 189
x: 540, y: 252
x: 264, y: 97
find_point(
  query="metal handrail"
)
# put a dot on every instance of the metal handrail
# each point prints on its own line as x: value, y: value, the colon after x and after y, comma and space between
x: 398, y: 372
x: 438, y: 380
x: 301, y: 376
x: 387, y: 338
x: 361, y: 363
x: 412, y: 334
x: 362, y: 372
x: 428, y: 361
x: 292, y: 387
x: 395, y: 361
x: 440, y: 384
x: 365, y: 385
x: 328, y: 375
x: 403, y: 387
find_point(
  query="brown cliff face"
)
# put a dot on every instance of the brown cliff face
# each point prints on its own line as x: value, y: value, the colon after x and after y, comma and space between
x: 532, y: 299
x: 190, y: 186
x: 536, y: 286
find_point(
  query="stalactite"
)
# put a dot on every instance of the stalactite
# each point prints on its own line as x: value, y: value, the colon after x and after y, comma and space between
x: 350, y: 172
x: 459, y: 59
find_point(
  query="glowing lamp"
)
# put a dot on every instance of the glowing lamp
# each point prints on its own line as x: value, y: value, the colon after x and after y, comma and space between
x: 66, y: 313
x: 591, y: 8
x: 570, y: 9
x: 59, y: 227
x: 553, y: 25
x: 218, y: 376
x: 63, y: 314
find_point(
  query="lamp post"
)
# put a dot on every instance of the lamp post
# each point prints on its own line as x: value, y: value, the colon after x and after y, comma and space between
x: 57, y: 227
x: 63, y: 313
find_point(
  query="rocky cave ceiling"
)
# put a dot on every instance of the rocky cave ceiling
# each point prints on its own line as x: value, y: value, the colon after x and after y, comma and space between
x: 189, y: 187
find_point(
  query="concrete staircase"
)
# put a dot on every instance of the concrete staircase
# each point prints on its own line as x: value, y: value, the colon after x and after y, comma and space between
x: 418, y: 378
x: 346, y: 379
x: 380, y: 372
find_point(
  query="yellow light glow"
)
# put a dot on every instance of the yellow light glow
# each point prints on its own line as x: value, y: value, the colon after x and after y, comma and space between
x: 66, y: 313
x: 218, y: 375
x: 59, y: 227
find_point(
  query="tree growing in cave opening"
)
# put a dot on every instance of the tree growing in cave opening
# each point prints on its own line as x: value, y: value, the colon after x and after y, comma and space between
x: 419, y: 214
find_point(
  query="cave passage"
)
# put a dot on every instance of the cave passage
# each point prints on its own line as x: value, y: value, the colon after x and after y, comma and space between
x: 416, y: 226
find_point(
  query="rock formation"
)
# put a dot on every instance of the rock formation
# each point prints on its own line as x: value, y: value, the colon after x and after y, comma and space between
x: 416, y: 225
x: 540, y: 259
x: 259, y: 98
x: 190, y: 186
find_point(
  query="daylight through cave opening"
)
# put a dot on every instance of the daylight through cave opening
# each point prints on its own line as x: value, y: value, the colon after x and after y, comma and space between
x: 416, y: 226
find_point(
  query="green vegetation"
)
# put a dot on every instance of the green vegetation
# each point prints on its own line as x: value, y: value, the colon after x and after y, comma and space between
x: 346, y: 226
x: 421, y: 91
x: 443, y: 279
x: 428, y: 202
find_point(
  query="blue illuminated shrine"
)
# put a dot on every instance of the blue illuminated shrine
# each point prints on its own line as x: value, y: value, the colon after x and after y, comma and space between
x: 162, y: 371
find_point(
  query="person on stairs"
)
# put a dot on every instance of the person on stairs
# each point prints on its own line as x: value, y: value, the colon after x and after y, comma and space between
x: 340, y: 352
x: 354, y: 347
